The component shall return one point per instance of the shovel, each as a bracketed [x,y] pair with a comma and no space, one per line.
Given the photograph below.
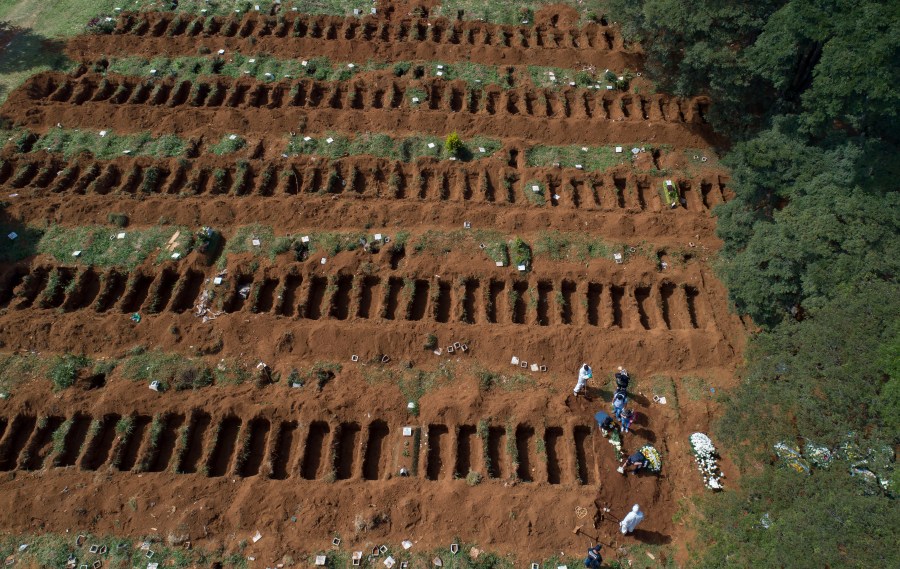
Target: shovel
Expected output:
[577,531]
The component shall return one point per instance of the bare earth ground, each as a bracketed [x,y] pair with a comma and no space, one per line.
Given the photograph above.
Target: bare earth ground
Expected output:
[299,465]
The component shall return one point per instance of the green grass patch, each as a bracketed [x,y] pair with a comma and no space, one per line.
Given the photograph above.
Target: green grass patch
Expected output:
[243,239]
[443,242]
[236,65]
[170,369]
[24,244]
[565,246]
[100,246]
[473,73]
[64,370]
[696,388]
[406,149]
[16,369]
[230,371]
[561,77]
[72,142]
[228,144]
[25,53]
[520,253]
[595,158]
[535,192]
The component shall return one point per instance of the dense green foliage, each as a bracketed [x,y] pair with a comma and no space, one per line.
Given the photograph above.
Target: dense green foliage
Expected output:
[810,93]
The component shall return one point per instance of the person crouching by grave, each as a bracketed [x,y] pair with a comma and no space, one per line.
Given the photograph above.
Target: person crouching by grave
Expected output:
[627,418]
[635,462]
[593,559]
[622,378]
[584,374]
[631,521]
[605,422]
[618,403]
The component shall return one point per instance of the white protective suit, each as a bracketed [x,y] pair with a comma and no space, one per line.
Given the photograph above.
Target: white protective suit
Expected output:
[631,521]
[584,374]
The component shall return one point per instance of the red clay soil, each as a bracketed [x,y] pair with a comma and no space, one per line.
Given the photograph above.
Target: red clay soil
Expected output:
[294,435]
[276,447]
[254,108]
[362,39]
[620,204]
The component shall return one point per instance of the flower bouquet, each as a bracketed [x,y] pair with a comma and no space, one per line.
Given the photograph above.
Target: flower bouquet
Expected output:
[707,460]
[652,456]
[615,439]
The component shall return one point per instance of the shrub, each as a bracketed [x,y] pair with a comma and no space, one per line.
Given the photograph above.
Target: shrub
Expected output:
[453,144]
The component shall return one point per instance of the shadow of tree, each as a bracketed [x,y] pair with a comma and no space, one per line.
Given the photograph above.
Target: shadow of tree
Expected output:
[24,52]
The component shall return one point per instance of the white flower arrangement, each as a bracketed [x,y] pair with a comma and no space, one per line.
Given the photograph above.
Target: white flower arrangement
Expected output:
[615,439]
[652,456]
[707,460]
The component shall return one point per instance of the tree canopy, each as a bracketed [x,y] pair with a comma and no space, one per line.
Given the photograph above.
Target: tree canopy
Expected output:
[809,93]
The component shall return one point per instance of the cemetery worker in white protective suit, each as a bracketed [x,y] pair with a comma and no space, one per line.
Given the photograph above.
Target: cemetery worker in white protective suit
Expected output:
[631,521]
[584,374]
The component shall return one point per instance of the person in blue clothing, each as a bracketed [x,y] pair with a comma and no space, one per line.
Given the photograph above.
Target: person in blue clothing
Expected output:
[593,559]
[618,403]
[635,462]
[605,422]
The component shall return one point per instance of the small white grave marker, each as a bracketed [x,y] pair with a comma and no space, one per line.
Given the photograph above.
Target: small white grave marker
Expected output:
[389,562]
[351,65]
[584,148]
[304,239]
[176,256]
[76,253]
[303,63]
[534,367]
[377,237]
[256,242]
[536,189]
[320,560]
[407,431]
[406,544]
[329,140]
[232,137]
[430,145]
[481,149]
[439,73]
[499,263]
[522,267]
[415,100]
[307,138]
[12,235]
[102,133]
[217,280]
[221,52]
[251,61]
[578,166]
[323,261]
[121,235]
[618,258]
[618,149]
